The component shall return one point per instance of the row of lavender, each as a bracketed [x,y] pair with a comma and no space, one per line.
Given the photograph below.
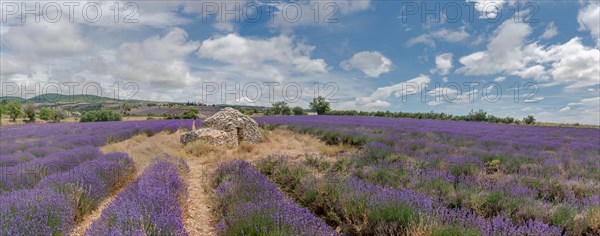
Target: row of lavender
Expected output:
[28,153]
[151,205]
[497,174]
[253,205]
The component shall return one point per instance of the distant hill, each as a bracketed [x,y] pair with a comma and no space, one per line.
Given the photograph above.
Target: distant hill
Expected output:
[54,98]
[10,98]
[62,99]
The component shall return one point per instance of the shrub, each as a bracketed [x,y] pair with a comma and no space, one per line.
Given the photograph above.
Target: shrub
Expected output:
[100,116]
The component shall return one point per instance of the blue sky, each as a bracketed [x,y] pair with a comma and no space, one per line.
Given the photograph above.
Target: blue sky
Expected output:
[366,55]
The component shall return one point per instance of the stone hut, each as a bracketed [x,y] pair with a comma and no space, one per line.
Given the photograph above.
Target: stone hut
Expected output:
[227,127]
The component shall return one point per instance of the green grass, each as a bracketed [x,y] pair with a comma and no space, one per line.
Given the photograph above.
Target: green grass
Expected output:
[447,230]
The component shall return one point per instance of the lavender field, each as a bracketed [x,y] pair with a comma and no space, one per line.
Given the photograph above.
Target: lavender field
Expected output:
[430,177]
[54,174]
[406,177]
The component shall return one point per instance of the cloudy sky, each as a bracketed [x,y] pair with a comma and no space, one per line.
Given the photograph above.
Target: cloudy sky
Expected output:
[508,57]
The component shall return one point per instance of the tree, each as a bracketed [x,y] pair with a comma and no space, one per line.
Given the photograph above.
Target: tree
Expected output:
[46,114]
[530,120]
[30,111]
[320,105]
[58,116]
[14,110]
[298,111]
[479,116]
[52,115]
[281,108]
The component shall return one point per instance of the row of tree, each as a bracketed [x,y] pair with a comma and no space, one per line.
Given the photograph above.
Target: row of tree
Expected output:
[319,105]
[477,116]
[283,109]
[189,114]
[15,110]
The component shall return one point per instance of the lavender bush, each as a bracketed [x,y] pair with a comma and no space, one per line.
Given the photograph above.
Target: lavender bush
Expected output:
[252,205]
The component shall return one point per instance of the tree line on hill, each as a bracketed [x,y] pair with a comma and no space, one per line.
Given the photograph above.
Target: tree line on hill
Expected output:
[14,110]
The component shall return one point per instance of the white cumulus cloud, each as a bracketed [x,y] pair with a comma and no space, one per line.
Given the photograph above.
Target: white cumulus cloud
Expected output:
[443,63]
[372,64]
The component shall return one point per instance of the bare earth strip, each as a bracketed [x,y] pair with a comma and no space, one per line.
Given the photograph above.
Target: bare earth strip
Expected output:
[199,216]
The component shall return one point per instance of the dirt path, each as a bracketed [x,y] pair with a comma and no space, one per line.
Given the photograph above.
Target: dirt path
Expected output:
[90,218]
[199,218]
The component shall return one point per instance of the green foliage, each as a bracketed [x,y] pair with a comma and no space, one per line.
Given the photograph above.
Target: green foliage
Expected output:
[317,163]
[463,169]
[47,114]
[58,116]
[563,216]
[248,112]
[530,120]
[492,204]
[298,111]
[479,116]
[333,137]
[29,111]
[435,187]
[446,230]
[13,109]
[100,116]
[320,105]
[279,108]
[189,114]
[401,214]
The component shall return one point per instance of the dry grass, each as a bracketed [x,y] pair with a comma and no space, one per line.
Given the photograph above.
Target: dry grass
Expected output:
[594,220]
[276,142]
[202,159]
